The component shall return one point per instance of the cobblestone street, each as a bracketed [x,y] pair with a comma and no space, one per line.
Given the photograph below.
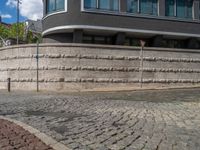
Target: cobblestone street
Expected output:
[140,120]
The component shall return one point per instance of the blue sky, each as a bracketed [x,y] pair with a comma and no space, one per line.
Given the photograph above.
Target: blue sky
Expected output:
[29,9]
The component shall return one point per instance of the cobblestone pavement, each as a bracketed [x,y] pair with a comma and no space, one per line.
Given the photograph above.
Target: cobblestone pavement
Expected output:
[13,137]
[142,120]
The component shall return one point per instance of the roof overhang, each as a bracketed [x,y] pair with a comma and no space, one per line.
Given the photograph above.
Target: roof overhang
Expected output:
[113,30]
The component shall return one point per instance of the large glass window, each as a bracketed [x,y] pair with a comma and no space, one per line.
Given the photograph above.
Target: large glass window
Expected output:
[181,12]
[50,5]
[111,5]
[170,7]
[115,4]
[179,8]
[199,12]
[155,7]
[132,6]
[104,4]
[143,6]
[90,4]
[97,39]
[55,5]
[189,11]
[60,4]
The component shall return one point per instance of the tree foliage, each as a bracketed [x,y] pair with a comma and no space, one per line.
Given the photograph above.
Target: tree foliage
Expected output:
[11,32]
[4,32]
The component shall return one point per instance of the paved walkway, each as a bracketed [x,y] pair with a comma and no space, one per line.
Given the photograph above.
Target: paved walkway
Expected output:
[14,137]
[151,120]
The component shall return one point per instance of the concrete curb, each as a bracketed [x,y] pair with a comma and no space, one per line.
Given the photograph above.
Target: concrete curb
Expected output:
[43,137]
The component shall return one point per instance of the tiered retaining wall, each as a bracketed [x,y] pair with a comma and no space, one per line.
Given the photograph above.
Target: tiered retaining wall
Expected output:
[76,67]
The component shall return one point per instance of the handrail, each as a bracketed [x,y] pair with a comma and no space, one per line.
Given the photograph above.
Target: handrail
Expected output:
[4,43]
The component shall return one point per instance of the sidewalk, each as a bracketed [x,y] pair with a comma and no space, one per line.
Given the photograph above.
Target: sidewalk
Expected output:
[14,137]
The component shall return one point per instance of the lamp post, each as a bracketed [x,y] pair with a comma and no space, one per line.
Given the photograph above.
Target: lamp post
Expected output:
[18,3]
[28,26]
[37,59]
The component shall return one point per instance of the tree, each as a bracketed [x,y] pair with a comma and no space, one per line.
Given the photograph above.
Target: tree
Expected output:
[4,31]
[11,32]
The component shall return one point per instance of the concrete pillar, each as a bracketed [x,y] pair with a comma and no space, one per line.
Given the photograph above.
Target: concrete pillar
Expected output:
[77,36]
[196,10]
[161,7]
[44,8]
[123,6]
[120,38]
[193,43]
[157,41]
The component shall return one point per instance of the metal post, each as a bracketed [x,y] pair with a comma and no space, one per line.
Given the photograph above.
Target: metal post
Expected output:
[17,22]
[141,67]
[9,80]
[37,59]
[141,62]
[17,30]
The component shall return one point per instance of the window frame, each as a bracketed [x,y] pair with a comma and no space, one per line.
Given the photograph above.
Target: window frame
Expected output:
[199,11]
[175,11]
[129,14]
[98,9]
[139,9]
[55,12]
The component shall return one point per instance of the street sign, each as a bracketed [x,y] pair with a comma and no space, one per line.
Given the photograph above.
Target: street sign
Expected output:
[142,43]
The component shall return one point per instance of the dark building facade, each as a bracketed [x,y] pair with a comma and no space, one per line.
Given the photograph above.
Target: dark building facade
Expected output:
[4,24]
[161,23]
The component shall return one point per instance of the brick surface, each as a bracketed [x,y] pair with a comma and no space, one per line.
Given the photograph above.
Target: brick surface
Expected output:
[13,137]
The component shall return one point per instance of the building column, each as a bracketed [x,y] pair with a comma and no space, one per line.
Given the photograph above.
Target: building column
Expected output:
[157,41]
[120,38]
[196,9]
[193,43]
[78,36]
[123,6]
[161,7]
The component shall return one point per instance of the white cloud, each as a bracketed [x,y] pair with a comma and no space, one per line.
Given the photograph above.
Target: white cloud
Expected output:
[32,9]
[6,16]
[11,3]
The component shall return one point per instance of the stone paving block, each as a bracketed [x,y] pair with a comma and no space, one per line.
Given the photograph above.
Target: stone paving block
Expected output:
[161,120]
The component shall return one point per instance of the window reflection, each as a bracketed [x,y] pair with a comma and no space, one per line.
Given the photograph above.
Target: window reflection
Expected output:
[143,6]
[179,8]
[60,4]
[90,3]
[55,5]
[104,4]
[110,5]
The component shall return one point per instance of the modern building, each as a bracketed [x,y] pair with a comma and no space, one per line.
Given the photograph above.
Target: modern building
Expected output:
[161,23]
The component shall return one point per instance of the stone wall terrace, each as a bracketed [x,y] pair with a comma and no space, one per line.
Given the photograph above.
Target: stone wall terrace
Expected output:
[79,67]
